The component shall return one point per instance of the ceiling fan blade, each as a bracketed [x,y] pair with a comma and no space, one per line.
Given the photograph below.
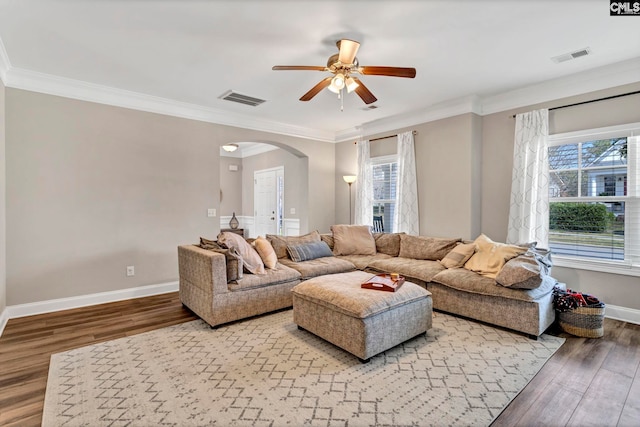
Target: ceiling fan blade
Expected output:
[388,71]
[363,92]
[348,49]
[316,89]
[298,67]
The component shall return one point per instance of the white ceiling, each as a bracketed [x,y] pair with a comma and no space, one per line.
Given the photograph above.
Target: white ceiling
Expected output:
[180,56]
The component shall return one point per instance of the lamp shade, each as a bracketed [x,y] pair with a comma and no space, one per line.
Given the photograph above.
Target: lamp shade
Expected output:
[349,179]
[230,147]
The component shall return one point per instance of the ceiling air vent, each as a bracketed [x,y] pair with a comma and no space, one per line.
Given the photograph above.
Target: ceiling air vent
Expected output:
[572,55]
[242,99]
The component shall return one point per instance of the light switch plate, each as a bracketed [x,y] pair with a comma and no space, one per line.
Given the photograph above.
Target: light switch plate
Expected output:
[211,213]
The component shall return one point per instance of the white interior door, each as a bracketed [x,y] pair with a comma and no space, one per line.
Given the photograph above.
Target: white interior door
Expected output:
[266,197]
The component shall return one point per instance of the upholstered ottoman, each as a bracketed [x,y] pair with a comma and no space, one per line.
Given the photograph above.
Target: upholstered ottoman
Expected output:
[363,322]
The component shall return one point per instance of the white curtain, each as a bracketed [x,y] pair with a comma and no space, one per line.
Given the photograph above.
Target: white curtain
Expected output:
[529,210]
[405,217]
[364,187]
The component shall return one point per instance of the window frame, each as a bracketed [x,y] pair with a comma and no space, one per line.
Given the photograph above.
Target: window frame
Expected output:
[383,160]
[627,267]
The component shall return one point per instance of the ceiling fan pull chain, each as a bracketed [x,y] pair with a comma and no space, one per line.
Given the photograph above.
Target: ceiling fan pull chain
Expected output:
[341,100]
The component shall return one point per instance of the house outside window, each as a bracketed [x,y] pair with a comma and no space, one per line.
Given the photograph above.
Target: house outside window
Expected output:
[385,183]
[594,208]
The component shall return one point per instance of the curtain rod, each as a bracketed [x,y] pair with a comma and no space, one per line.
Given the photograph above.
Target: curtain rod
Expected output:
[414,132]
[592,100]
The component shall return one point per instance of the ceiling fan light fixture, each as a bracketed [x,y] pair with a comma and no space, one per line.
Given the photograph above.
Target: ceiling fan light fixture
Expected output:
[338,81]
[351,84]
[229,148]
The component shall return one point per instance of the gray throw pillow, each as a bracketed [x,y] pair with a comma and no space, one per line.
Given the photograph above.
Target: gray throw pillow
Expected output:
[526,271]
[308,251]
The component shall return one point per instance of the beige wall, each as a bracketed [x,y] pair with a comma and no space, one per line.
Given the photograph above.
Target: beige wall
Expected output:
[230,186]
[93,188]
[498,133]
[448,164]
[3,233]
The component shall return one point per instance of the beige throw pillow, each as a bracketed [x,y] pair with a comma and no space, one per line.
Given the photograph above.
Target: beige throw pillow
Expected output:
[490,256]
[459,255]
[266,252]
[353,240]
[423,247]
[250,258]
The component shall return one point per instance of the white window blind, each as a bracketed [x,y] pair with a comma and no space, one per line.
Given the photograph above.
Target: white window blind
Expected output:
[385,180]
[594,195]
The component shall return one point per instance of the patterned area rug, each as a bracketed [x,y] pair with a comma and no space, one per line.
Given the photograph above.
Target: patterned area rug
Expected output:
[266,372]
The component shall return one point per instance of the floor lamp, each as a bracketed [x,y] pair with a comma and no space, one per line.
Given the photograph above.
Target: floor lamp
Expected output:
[349,179]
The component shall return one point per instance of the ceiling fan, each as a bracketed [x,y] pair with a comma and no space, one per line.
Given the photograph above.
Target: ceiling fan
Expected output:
[342,65]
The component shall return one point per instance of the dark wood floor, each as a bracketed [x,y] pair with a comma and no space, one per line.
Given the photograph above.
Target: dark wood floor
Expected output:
[588,382]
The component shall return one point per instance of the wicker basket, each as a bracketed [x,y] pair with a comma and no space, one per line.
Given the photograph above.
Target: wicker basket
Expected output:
[584,321]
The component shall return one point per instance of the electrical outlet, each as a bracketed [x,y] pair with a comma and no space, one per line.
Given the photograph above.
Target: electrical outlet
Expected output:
[131,270]
[211,213]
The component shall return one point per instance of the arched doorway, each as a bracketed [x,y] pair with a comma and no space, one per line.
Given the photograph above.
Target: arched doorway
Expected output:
[284,169]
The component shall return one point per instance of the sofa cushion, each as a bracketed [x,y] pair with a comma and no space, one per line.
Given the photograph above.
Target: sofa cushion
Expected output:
[423,270]
[525,271]
[353,240]
[362,261]
[459,255]
[468,281]
[279,274]
[266,252]
[308,251]
[250,258]
[319,266]
[388,243]
[280,243]
[490,256]
[423,247]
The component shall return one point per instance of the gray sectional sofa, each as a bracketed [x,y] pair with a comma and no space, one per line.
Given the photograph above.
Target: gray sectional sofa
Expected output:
[215,287]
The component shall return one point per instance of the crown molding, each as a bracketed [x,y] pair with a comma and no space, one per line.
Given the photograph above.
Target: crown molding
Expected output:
[455,107]
[605,77]
[75,89]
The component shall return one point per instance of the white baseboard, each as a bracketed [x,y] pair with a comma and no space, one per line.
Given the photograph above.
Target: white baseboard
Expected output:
[623,314]
[40,307]
[4,318]
[615,312]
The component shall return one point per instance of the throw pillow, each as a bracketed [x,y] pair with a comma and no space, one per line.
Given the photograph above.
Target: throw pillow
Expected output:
[308,251]
[328,239]
[423,247]
[266,252]
[490,256]
[353,240]
[250,258]
[209,244]
[233,261]
[526,271]
[459,255]
[388,243]
[280,243]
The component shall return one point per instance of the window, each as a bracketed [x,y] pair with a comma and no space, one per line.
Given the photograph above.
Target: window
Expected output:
[385,180]
[594,208]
